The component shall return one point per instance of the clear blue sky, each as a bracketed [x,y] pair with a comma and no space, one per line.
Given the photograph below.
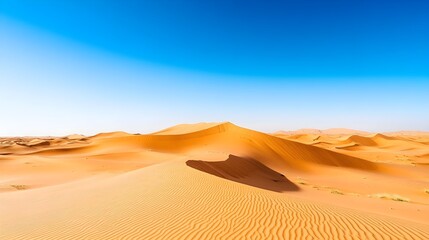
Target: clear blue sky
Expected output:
[139,66]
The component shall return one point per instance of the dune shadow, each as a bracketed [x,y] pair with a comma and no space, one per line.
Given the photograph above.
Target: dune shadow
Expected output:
[246,171]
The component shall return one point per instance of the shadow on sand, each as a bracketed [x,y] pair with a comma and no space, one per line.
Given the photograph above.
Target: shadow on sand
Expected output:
[246,171]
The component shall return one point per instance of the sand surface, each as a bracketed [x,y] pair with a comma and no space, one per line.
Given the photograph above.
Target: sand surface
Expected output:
[216,181]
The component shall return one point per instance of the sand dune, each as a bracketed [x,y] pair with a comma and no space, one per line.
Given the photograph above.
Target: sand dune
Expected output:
[214,181]
[403,148]
[228,138]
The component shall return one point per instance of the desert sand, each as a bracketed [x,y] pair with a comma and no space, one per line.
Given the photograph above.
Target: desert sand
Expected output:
[216,181]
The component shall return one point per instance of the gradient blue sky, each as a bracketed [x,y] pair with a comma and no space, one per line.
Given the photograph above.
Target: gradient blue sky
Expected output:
[139,66]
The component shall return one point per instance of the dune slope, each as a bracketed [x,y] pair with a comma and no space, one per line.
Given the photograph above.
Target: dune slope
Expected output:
[173,201]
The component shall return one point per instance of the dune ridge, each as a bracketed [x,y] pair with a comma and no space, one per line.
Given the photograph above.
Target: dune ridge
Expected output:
[273,151]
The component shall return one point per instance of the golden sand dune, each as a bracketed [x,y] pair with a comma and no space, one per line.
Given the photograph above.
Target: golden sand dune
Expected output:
[212,181]
[229,138]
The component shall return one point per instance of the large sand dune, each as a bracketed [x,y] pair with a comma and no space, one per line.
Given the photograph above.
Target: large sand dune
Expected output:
[215,181]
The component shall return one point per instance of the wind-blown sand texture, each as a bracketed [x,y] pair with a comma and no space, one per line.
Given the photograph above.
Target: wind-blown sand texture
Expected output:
[216,181]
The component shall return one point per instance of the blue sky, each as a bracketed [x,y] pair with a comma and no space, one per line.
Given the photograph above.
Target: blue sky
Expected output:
[139,66]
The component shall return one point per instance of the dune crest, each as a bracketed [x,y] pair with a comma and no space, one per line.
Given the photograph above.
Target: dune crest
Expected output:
[188,128]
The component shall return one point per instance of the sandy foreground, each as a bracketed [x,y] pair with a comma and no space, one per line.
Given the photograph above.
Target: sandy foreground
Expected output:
[216,181]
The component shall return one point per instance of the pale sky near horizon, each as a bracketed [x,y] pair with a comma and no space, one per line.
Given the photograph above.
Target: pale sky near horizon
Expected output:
[60,75]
